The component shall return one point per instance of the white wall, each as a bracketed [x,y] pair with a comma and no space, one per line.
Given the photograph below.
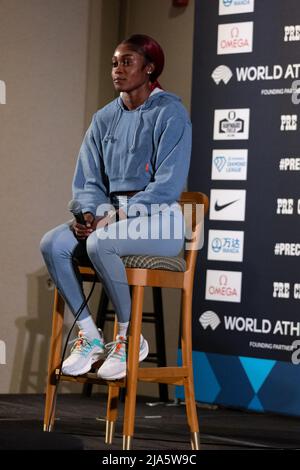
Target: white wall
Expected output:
[43,50]
[173,28]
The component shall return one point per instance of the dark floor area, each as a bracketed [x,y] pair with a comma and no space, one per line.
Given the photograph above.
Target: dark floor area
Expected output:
[158,427]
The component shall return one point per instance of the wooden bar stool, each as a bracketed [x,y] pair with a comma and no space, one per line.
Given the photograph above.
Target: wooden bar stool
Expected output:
[171,272]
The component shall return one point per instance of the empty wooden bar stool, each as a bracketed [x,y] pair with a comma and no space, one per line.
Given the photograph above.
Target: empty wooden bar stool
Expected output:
[171,272]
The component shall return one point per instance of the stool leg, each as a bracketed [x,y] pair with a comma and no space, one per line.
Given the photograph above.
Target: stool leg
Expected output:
[100,321]
[132,365]
[186,345]
[112,412]
[160,339]
[112,403]
[54,359]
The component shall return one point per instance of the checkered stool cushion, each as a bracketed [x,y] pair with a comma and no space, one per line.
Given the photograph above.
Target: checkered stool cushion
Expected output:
[167,263]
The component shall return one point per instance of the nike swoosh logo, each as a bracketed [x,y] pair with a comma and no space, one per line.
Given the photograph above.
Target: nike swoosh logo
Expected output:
[219,208]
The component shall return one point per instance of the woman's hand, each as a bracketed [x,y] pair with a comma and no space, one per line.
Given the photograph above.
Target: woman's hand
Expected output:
[83,231]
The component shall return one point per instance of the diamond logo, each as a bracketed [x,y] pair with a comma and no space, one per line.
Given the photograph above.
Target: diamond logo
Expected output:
[220,162]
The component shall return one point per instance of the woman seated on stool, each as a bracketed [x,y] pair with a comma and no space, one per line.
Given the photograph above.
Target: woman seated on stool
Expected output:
[135,154]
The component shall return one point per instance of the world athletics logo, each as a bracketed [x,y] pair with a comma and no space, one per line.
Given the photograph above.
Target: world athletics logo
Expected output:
[222,74]
[209,318]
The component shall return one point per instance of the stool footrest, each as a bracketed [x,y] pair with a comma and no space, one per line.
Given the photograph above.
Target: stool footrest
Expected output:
[90,377]
[169,375]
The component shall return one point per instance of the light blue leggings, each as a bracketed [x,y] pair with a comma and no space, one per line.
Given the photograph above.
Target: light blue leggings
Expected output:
[61,249]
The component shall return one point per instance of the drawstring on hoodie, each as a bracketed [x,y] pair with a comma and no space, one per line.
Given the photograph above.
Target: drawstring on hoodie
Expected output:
[137,124]
[115,121]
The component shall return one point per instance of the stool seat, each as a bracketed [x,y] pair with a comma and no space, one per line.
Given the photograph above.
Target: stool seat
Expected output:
[167,263]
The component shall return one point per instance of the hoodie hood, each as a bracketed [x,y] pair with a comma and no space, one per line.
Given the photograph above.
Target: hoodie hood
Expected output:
[156,94]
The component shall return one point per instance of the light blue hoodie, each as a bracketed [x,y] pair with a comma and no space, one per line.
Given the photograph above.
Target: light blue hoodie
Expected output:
[146,149]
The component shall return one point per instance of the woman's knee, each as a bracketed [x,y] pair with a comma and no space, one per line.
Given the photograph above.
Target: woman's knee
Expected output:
[91,246]
[46,243]
[52,242]
[95,246]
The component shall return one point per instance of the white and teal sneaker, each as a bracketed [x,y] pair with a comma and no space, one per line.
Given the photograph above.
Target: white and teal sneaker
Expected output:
[84,353]
[114,367]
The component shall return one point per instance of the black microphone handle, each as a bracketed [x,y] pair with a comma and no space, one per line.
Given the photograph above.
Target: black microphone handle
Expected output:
[79,218]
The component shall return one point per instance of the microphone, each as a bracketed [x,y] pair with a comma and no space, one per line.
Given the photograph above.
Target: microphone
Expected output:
[74,206]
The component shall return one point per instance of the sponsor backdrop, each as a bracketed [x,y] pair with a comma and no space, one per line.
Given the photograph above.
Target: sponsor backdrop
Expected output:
[246,157]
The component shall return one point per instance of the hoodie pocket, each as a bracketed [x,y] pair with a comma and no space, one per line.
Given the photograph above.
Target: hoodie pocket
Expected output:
[136,165]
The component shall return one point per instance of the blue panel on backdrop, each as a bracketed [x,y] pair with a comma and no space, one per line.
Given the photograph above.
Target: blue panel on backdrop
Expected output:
[255,404]
[205,381]
[246,158]
[257,370]
[281,391]
[221,379]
